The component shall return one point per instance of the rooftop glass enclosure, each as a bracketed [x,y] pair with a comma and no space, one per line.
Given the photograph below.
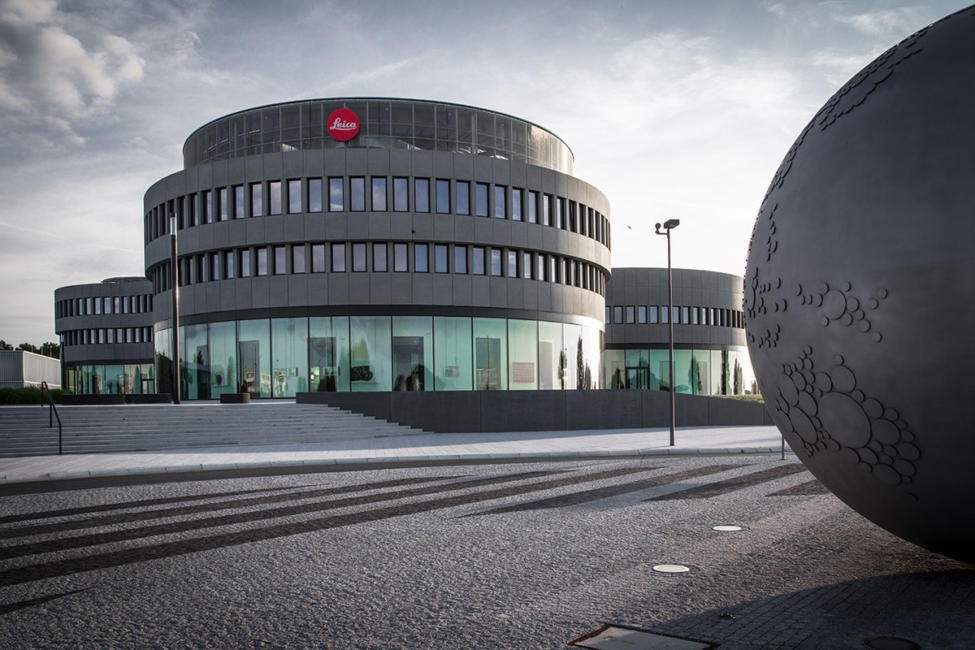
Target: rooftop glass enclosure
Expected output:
[385,124]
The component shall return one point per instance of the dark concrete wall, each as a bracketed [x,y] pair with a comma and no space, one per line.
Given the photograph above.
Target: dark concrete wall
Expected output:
[543,410]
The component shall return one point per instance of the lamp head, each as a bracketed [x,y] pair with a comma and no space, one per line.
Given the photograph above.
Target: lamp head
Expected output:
[671,223]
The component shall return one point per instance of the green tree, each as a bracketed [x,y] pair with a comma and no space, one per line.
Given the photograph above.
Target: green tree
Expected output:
[51,349]
[27,347]
[5,346]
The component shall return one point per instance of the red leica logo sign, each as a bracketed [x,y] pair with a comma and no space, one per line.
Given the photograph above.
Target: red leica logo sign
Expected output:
[342,124]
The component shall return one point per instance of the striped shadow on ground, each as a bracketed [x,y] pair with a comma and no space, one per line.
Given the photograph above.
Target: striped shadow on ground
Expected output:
[809,488]
[733,484]
[55,568]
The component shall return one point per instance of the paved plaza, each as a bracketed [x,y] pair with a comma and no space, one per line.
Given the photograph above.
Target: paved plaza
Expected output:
[464,554]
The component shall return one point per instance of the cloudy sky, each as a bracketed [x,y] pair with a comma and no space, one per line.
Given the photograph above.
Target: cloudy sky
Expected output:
[673,109]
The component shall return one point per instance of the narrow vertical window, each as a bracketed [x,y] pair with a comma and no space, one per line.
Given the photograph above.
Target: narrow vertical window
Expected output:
[401,195]
[358,257]
[357,194]
[546,209]
[460,259]
[224,204]
[526,265]
[421,195]
[641,313]
[540,267]
[245,263]
[379,260]
[280,260]
[532,206]
[481,199]
[262,261]
[314,195]
[298,258]
[421,258]
[294,196]
[274,197]
[560,213]
[239,206]
[400,258]
[500,207]
[208,206]
[515,204]
[477,260]
[495,261]
[228,265]
[336,200]
[257,199]
[379,194]
[318,258]
[338,258]
[443,196]
[512,264]
[463,197]
[215,265]
[440,258]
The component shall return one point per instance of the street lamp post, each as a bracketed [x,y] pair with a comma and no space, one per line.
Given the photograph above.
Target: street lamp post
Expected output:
[669,225]
[175,281]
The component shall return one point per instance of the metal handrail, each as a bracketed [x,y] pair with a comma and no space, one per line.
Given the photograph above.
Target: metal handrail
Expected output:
[51,413]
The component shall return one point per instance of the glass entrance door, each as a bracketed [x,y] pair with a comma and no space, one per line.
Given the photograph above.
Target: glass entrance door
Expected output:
[408,370]
[324,371]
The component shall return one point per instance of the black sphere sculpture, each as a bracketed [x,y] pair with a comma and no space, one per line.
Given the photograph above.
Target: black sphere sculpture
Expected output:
[860,290]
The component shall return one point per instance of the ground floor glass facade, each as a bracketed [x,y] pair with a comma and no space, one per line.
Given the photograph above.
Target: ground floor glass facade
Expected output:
[699,372]
[280,357]
[110,379]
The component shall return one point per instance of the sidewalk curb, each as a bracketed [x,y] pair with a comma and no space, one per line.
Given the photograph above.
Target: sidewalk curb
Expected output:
[392,460]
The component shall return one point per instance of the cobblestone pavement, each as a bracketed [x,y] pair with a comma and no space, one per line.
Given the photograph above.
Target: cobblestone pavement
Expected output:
[507,555]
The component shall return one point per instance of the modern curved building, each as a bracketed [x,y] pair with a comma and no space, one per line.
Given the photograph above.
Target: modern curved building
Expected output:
[710,356]
[105,331]
[373,244]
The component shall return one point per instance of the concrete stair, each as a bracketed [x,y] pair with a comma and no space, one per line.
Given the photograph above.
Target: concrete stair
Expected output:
[24,430]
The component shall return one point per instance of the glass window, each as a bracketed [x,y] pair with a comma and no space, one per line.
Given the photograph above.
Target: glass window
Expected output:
[443,196]
[421,258]
[314,195]
[328,353]
[683,373]
[254,357]
[338,257]
[421,195]
[477,260]
[207,206]
[495,261]
[204,267]
[526,265]
[541,267]
[294,196]
[546,209]
[379,194]
[532,206]
[463,197]
[412,353]
[481,199]
[694,320]
[215,265]
[400,257]
[274,197]
[684,315]
[551,360]
[370,362]
[440,258]
[379,259]
[401,196]
[245,263]
[460,258]
[523,354]
[512,264]
[289,347]
[223,358]
[257,199]
[614,369]
[490,354]
[452,351]
[654,314]
[195,362]
[336,201]
[516,204]
[318,258]
[617,314]
[224,204]
[298,258]
[357,194]
[228,265]
[664,314]
[630,314]
[280,260]
[560,221]
[239,209]
[676,315]
[359,257]
[108,304]
[641,314]
[500,210]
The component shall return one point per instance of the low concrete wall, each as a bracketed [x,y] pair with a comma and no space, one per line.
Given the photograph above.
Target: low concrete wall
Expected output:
[542,410]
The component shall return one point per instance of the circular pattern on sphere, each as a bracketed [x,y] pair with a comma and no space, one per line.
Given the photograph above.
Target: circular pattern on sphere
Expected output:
[857,287]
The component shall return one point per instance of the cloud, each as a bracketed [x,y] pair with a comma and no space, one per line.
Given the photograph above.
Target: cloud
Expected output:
[892,23]
[59,71]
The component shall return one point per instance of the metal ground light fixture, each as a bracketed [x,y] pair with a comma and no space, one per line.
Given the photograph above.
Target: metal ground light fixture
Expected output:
[173,221]
[669,225]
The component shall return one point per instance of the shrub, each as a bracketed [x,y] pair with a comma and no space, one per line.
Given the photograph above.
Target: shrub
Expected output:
[27,395]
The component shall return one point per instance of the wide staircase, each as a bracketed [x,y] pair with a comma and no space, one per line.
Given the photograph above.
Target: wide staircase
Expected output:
[24,430]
